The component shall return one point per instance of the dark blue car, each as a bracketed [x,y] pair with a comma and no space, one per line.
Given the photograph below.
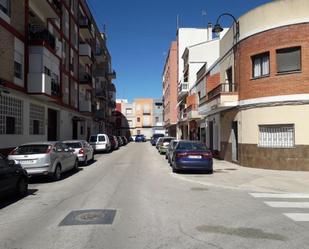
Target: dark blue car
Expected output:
[192,155]
[140,138]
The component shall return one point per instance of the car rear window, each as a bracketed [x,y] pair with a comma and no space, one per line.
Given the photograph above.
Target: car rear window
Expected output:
[93,139]
[32,149]
[191,146]
[101,139]
[74,145]
[167,140]
[158,135]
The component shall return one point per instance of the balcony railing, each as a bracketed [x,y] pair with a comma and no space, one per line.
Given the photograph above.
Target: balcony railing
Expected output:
[183,87]
[222,88]
[42,36]
[84,22]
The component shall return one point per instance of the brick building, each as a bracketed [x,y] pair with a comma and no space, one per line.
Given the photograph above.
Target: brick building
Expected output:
[55,72]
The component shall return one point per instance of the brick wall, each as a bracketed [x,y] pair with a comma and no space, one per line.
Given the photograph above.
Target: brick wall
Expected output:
[269,41]
[6,55]
[212,81]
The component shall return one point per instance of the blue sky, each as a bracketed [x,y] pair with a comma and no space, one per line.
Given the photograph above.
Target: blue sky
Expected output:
[140,31]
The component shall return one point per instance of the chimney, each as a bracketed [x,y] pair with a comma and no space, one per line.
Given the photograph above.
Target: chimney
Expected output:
[209,31]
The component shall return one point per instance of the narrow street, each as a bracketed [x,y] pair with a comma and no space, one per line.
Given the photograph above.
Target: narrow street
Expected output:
[150,208]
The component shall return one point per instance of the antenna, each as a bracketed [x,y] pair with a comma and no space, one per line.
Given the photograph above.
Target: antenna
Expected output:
[177,21]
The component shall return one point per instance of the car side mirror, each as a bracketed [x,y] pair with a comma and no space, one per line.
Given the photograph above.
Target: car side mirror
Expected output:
[11,162]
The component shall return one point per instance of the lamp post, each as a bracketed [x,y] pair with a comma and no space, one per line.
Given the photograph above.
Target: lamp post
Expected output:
[218,28]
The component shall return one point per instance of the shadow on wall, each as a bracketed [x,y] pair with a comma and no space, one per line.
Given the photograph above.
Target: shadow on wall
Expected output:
[122,126]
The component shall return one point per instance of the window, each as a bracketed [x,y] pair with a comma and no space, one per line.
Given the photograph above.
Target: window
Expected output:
[36,117]
[18,72]
[138,119]
[10,125]
[276,136]
[11,115]
[5,7]
[129,111]
[157,120]
[288,60]
[47,71]
[82,130]
[260,65]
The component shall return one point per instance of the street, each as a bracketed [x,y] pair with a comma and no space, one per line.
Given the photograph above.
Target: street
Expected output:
[148,206]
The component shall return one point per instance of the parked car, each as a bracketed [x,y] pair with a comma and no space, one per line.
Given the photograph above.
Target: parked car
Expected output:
[170,150]
[192,155]
[100,142]
[82,150]
[114,142]
[140,138]
[45,158]
[125,140]
[120,141]
[13,178]
[158,142]
[164,143]
[154,138]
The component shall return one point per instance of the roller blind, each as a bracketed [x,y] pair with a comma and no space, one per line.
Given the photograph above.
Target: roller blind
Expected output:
[288,59]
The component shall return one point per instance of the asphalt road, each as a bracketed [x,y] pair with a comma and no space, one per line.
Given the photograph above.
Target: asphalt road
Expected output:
[145,205]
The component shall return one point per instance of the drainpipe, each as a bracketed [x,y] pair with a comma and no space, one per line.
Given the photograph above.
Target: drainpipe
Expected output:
[209,31]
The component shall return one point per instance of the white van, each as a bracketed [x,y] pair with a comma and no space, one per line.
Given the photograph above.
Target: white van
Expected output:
[100,142]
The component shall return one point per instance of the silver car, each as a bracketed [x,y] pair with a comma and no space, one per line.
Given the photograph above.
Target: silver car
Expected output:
[82,150]
[45,158]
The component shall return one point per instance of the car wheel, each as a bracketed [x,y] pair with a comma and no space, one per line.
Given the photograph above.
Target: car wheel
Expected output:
[22,187]
[85,163]
[57,174]
[75,168]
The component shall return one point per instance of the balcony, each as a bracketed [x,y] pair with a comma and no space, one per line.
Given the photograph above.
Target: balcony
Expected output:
[85,27]
[222,97]
[85,53]
[45,88]
[85,79]
[112,104]
[182,116]
[111,75]
[100,94]
[47,8]
[42,37]
[192,112]
[183,88]
[99,55]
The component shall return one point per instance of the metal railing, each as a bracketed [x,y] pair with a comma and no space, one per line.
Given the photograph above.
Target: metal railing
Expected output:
[42,35]
[222,88]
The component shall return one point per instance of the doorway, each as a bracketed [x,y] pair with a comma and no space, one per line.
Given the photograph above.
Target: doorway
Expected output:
[211,135]
[234,141]
[74,129]
[52,125]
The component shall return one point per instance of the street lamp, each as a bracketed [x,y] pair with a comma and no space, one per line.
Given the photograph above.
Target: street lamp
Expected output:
[218,28]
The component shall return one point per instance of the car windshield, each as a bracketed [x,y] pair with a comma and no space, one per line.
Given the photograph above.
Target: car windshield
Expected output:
[167,140]
[32,149]
[93,139]
[74,145]
[191,146]
[158,135]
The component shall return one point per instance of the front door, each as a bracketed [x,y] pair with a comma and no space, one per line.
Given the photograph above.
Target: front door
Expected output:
[74,129]
[234,134]
[211,135]
[52,125]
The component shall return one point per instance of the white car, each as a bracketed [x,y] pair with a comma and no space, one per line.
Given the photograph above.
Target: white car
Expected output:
[82,150]
[45,158]
[100,142]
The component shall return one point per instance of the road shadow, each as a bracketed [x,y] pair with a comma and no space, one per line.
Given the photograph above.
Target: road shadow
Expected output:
[10,198]
[46,179]
[89,164]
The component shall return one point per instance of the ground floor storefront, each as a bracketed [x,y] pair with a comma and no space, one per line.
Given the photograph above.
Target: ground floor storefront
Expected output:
[272,137]
[25,118]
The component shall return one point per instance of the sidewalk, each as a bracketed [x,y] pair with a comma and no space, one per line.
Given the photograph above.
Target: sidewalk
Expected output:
[233,176]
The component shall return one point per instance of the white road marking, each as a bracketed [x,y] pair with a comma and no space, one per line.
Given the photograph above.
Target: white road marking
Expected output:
[286,204]
[283,196]
[298,216]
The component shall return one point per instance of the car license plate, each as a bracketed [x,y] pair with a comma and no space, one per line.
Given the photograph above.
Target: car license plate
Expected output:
[195,157]
[26,161]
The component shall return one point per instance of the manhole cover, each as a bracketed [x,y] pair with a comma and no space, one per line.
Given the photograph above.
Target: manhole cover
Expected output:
[89,217]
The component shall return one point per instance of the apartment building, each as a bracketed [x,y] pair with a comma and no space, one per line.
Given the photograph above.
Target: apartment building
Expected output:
[170,93]
[142,116]
[197,48]
[50,53]
[256,99]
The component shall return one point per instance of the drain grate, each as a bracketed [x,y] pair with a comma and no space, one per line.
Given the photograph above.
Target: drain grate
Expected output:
[89,217]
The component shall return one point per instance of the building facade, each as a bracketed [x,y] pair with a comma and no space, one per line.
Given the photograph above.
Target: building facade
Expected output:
[256,102]
[49,89]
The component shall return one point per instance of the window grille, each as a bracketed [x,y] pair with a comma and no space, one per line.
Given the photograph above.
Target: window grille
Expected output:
[37,115]
[276,136]
[12,108]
